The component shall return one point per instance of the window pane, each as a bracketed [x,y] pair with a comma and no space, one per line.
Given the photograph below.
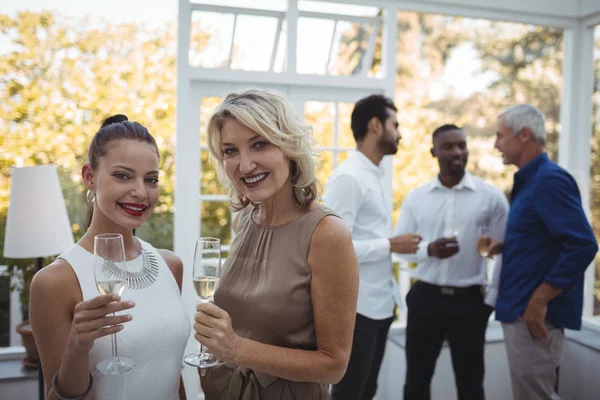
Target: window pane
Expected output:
[350,43]
[314,39]
[253,43]
[210,39]
[342,155]
[324,167]
[466,72]
[320,116]
[215,220]
[207,105]
[345,136]
[209,182]
[595,160]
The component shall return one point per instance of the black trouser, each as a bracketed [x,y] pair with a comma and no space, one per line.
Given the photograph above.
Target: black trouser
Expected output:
[458,315]
[368,346]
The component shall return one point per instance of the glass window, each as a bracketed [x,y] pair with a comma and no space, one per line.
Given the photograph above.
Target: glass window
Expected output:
[237,41]
[324,167]
[215,220]
[349,47]
[345,138]
[336,47]
[209,181]
[464,71]
[314,37]
[211,35]
[253,42]
[321,117]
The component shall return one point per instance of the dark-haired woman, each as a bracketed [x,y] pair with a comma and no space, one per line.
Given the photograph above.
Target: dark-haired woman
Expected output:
[72,323]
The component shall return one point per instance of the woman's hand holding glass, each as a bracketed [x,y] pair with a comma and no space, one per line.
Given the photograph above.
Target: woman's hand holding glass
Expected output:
[91,320]
[214,329]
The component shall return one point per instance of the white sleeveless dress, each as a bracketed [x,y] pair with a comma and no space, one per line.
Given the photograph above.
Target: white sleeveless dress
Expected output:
[154,339]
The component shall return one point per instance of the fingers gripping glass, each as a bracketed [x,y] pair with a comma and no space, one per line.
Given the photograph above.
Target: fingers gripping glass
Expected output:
[206,274]
[110,251]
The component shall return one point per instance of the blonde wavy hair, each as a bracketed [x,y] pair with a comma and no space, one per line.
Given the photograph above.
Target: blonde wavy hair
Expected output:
[271,116]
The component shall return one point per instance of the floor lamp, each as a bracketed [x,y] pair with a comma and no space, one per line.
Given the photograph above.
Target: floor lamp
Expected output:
[37,224]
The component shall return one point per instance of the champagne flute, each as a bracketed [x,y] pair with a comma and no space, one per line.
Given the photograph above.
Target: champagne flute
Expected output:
[484,240]
[206,274]
[110,272]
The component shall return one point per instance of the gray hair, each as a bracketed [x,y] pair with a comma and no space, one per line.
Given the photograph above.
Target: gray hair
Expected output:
[526,116]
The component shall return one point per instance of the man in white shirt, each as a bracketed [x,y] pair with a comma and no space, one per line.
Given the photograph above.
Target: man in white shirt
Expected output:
[447,301]
[355,193]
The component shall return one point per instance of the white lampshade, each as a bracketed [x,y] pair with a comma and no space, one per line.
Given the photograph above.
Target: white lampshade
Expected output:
[37,222]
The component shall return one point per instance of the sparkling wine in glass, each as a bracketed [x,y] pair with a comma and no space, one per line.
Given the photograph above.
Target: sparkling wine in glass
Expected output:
[484,240]
[206,274]
[110,273]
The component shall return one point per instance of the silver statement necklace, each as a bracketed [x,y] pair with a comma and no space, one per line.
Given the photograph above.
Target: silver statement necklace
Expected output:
[135,280]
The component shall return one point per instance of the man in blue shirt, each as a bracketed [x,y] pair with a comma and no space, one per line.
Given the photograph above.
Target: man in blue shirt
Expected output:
[548,246]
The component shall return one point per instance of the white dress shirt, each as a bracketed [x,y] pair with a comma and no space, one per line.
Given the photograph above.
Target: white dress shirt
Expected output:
[434,211]
[355,193]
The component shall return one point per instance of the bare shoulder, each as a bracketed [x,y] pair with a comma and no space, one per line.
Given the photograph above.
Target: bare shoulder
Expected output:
[174,263]
[329,230]
[57,277]
[173,260]
[330,239]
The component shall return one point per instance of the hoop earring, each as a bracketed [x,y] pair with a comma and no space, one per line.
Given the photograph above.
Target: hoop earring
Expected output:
[90,196]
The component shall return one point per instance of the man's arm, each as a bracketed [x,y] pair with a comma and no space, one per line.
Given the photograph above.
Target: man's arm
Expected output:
[559,207]
[407,224]
[558,204]
[344,197]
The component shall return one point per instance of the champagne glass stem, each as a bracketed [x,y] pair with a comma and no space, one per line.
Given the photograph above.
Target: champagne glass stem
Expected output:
[115,352]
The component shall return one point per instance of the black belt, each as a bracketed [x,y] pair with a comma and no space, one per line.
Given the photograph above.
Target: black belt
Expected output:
[452,290]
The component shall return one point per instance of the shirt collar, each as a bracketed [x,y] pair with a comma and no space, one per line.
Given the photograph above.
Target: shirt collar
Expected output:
[467,182]
[366,163]
[529,169]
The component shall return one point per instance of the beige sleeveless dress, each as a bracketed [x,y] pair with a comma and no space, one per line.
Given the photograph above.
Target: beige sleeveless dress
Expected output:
[266,289]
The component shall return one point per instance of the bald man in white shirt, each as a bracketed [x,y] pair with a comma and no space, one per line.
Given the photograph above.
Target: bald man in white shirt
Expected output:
[355,193]
[447,301]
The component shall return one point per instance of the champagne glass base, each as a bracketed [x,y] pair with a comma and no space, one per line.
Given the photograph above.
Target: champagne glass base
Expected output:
[201,360]
[115,366]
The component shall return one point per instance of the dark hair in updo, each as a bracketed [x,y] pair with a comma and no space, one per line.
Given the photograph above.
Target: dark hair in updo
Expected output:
[114,128]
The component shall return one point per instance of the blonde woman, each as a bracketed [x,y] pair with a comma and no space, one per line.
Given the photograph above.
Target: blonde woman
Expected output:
[284,312]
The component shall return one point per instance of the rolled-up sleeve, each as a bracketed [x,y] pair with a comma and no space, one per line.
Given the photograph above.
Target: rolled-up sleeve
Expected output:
[407,223]
[558,204]
[344,196]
